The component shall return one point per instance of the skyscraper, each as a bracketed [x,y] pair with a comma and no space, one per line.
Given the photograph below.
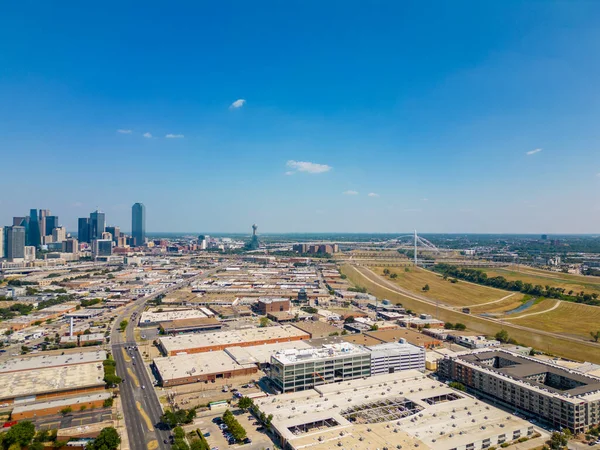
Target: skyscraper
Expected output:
[2,242]
[115,232]
[15,243]
[83,229]
[18,221]
[51,222]
[138,223]
[34,237]
[97,224]
[42,215]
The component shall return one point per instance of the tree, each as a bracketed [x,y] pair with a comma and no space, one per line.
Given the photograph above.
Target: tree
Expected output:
[386,272]
[394,275]
[245,403]
[108,439]
[36,446]
[123,324]
[22,433]
[595,335]
[426,288]
[458,386]
[374,327]
[449,326]
[66,410]
[502,336]
[460,326]
[108,402]
[558,440]
[349,319]
[264,321]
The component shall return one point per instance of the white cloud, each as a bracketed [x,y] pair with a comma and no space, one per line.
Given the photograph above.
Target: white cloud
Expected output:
[350,193]
[425,199]
[174,136]
[290,172]
[237,104]
[308,167]
[373,194]
[598,174]
[124,131]
[533,152]
[147,135]
[77,204]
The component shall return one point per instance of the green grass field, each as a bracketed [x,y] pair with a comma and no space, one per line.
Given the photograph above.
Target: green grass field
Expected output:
[454,294]
[570,319]
[576,283]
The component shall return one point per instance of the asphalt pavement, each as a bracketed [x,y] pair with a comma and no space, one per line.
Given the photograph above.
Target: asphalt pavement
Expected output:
[135,422]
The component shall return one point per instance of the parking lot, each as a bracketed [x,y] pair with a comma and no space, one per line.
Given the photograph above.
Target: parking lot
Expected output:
[260,440]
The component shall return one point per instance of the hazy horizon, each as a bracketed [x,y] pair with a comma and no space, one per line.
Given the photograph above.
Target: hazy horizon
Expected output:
[479,117]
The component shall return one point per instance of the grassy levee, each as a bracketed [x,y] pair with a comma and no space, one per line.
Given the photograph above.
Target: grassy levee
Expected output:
[576,283]
[565,347]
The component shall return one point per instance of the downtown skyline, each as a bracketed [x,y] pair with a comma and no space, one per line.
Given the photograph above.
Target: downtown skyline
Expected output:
[472,119]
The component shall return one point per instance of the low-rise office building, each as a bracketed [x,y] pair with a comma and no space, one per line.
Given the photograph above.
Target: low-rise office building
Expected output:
[559,396]
[266,305]
[297,370]
[396,356]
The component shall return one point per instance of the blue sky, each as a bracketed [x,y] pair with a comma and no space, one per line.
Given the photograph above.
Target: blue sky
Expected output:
[433,108]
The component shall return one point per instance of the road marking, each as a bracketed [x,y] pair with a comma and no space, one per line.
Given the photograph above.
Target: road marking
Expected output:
[125,355]
[153,445]
[133,377]
[145,416]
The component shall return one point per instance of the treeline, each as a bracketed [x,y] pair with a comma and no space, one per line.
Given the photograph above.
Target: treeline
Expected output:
[480,277]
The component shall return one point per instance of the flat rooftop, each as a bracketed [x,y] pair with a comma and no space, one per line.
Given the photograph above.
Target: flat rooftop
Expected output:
[165,316]
[292,356]
[197,364]
[531,371]
[42,362]
[316,328]
[62,402]
[52,379]
[230,338]
[261,354]
[425,412]
[199,322]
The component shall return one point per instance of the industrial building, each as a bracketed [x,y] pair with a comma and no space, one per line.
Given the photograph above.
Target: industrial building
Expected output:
[183,369]
[400,410]
[54,407]
[219,340]
[195,325]
[151,318]
[43,362]
[562,397]
[297,370]
[395,356]
[51,382]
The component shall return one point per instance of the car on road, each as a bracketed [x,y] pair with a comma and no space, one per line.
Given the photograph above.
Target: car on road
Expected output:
[207,434]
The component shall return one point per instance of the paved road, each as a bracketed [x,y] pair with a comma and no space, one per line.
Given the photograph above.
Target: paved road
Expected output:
[133,397]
